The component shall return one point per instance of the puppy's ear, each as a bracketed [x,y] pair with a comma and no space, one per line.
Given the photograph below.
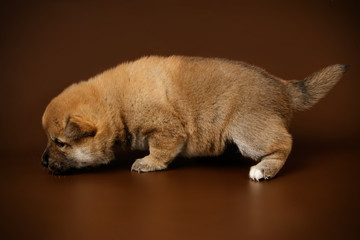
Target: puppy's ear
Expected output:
[77,127]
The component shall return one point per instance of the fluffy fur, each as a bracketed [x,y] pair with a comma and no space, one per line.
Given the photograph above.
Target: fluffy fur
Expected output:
[179,105]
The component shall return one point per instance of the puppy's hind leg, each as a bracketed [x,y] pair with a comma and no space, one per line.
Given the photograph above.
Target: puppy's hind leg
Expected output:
[269,146]
[269,165]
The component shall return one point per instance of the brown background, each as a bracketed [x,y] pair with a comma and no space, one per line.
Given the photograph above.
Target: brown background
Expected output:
[47,45]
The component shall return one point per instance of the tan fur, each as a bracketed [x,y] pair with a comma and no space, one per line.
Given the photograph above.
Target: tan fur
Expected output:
[179,105]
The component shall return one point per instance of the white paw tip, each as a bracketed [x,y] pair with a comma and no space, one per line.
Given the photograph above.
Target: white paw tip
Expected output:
[256,174]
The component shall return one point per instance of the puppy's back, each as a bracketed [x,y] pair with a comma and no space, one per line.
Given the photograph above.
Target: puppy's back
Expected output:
[210,94]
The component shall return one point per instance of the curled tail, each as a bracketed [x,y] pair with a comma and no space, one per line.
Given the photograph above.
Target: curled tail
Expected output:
[307,92]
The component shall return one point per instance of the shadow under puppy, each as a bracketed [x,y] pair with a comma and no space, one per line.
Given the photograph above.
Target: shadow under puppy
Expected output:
[179,105]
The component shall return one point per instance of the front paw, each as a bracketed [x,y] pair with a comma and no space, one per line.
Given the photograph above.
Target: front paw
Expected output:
[146,165]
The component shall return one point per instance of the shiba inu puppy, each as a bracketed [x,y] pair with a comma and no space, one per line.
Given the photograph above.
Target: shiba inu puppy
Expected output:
[179,105]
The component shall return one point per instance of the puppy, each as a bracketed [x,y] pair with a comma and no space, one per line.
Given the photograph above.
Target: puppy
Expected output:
[179,105]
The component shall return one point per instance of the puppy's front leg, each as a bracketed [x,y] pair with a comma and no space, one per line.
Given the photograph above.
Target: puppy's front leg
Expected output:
[163,149]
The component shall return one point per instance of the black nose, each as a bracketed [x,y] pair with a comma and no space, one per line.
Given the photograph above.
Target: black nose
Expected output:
[45,158]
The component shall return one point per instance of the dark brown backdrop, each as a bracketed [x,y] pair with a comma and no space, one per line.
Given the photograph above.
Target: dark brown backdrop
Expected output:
[47,45]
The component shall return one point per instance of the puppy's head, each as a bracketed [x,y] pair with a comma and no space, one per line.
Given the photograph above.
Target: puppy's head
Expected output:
[78,132]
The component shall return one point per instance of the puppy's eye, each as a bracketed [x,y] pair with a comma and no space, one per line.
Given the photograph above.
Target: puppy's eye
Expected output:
[59,143]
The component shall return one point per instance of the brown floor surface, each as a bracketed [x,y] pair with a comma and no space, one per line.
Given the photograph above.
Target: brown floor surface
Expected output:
[316,196]
[47,45]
